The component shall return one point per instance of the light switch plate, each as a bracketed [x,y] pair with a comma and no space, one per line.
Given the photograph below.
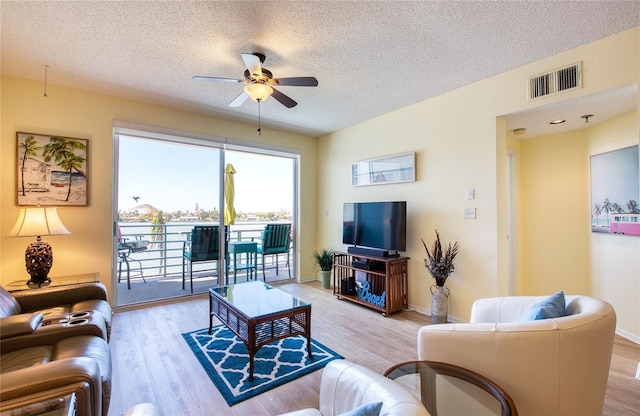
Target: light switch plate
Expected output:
[471,193]
[469,213]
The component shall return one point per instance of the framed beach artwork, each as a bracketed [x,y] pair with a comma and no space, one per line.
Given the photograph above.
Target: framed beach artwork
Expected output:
[615,192]
[51,170]
[384,170]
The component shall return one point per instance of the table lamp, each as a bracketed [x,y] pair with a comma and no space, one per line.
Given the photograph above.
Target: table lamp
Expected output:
[38,221]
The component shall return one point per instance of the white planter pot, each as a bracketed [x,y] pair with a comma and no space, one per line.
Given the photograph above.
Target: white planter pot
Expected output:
[439,304]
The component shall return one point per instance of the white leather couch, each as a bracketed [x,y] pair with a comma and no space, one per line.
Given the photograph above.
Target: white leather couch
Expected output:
[346,386]
[556,366]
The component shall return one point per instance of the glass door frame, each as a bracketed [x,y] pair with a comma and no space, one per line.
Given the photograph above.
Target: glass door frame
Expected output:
[136,130]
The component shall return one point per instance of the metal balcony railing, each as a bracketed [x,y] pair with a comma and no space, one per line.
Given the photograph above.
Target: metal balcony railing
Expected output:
[160,263]
[163,255]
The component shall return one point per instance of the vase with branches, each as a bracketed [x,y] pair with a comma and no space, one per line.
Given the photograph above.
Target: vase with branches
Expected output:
[439,264]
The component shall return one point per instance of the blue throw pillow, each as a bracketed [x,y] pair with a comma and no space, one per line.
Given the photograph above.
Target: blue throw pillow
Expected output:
[369,409]
[551,307]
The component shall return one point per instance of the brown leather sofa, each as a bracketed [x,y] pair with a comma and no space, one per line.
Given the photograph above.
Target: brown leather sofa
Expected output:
[80,309]
[38,371]
[53,342]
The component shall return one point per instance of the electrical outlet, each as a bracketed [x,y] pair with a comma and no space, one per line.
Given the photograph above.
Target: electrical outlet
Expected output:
[469,213]
[638,372]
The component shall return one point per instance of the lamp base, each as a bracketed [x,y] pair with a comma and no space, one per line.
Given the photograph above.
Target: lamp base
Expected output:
[38,259]
[38,282]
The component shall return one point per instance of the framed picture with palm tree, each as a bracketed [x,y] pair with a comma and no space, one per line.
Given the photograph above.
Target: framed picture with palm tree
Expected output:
[615,192]
[51,170]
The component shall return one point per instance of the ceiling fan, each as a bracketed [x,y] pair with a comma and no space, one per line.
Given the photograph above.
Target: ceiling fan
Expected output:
[260,82]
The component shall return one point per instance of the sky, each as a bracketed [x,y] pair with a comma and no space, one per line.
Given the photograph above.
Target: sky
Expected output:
[614,175]
[174,177]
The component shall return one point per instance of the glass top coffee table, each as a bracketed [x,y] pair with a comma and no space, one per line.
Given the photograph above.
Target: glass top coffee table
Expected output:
[446,389]
[259,314]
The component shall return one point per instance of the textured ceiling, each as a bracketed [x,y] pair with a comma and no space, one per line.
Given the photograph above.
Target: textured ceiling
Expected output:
[370,57]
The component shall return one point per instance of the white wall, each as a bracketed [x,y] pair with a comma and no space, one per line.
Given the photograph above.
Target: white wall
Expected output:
[461,143]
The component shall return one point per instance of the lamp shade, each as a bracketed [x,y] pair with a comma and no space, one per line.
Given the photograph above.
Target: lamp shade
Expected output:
[258,92]
[38,221]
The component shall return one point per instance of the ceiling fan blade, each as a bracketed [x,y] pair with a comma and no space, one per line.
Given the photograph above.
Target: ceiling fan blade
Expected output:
[239,100]
[198,78]
[253,64]
[283,99]
[296,81]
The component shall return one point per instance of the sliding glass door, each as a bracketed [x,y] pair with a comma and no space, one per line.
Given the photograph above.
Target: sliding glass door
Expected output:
[166,189]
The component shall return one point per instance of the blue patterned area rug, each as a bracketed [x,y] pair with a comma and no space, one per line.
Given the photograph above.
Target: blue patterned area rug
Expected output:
[225,359]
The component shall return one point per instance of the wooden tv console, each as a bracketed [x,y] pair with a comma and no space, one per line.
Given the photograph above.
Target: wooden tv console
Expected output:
[382,281]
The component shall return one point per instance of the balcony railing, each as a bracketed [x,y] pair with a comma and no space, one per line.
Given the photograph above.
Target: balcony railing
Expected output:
[162,258]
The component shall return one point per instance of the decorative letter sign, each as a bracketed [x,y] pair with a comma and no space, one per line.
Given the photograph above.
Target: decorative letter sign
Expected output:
[363,293]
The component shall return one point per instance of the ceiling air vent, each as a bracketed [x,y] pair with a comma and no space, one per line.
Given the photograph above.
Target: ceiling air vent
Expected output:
[562,79]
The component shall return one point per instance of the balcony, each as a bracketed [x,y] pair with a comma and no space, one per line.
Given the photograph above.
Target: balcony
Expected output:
[156,272]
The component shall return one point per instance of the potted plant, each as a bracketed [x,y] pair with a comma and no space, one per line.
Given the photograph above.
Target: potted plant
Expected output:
[324,260]
[439,263]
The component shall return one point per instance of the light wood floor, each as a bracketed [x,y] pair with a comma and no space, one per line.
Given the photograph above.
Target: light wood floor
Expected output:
[152,363]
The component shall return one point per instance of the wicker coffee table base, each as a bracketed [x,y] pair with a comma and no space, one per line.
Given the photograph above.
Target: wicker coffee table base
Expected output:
[260,330]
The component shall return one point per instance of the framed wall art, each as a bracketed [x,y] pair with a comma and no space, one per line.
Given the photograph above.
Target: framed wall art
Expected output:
[615,192]
[51,170]
[384,170]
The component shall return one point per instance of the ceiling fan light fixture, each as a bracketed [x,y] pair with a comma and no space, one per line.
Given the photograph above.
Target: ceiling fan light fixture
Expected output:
[257,91]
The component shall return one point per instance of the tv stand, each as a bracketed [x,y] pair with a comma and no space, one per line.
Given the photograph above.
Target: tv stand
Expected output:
[382,280]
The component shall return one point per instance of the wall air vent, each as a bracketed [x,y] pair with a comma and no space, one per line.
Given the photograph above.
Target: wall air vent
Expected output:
[562,79]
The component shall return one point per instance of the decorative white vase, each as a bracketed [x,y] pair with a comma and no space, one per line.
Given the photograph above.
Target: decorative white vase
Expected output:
[439,304]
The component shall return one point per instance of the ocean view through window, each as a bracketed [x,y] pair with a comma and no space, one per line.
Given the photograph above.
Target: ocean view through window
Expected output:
[166,188]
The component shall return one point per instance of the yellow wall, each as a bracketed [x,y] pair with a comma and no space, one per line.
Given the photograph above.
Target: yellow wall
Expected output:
[74,113]
[460,142]
[558,250]
[554,208]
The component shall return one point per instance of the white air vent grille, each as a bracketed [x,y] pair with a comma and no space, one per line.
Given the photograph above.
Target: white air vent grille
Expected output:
[562,79]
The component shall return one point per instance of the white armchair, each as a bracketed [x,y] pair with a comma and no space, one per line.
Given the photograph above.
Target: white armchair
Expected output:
[549,367]
[346,386]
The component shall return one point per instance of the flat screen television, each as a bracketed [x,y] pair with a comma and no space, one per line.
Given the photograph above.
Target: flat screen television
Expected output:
[380,225]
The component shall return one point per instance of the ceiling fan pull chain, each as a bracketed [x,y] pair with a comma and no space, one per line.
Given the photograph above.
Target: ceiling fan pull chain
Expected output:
[259,128]
[46,67]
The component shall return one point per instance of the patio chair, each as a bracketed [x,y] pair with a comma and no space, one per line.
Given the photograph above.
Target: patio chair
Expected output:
[127,247]
[275,240]
[202,245]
